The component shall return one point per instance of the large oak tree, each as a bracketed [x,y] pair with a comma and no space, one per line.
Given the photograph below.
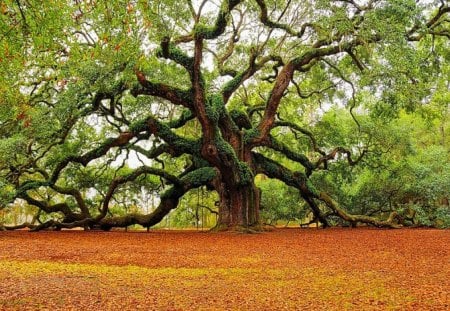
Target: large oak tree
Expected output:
[199,93]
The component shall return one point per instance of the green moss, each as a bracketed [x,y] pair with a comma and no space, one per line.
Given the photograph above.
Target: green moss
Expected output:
[102,149]
[164,131]
[214,107]
[275,170]
[191,146]
[250,134]
[183,144]
[241,119]
[208,32]
[202,31]
[199,177]
[245,174]
[199,161]
[173,192]
[185,95]
[236,114]
[178,56]
[271,168]
[225,149]
[30,185]
[138,126]
[233,84]
[297,157]
[185,116]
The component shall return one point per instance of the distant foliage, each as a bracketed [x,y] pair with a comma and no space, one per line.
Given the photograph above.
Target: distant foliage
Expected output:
[281,203]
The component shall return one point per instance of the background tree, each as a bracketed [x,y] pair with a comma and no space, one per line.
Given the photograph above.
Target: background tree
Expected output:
[202,94]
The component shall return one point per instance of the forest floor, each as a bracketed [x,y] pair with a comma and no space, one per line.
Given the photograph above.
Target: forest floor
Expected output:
[290,269]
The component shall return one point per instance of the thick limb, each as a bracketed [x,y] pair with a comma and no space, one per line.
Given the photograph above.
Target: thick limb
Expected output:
[388,223]
[297,180]
[169,201]
[310,194]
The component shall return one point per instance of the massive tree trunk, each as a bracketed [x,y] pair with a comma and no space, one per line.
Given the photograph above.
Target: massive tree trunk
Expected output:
[238,207]
[239,198]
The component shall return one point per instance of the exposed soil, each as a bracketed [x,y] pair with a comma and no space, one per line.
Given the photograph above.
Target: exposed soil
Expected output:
[291,269]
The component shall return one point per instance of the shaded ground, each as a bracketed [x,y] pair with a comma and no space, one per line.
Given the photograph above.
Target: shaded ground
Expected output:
[335,269]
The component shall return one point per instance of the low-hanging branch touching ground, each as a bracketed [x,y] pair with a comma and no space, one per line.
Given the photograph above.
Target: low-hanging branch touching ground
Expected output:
[200,96]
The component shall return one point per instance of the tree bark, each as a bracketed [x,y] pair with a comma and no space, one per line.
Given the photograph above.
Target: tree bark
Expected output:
[238,207]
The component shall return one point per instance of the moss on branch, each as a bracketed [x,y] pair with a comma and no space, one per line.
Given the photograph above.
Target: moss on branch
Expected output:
[186,116]
[222,19]
[300,181]
[241,119]
[174,95]
[233,84]
[215,108]
[199,177]
[174,53]
[164,131]
[250,135]
[294,156]
[245,174]
[169,200]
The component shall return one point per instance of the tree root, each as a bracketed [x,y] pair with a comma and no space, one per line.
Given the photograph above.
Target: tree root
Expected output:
[258,228]
[25,225]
